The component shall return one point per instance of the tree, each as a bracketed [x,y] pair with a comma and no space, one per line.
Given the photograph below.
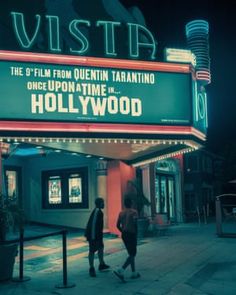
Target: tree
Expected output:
[135,192]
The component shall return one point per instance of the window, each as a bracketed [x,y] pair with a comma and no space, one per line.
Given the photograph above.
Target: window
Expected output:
[190,202]
[65,189]
[12,183]
[209,165]
[192,163]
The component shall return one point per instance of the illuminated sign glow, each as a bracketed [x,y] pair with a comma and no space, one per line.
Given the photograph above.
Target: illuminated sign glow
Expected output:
[48,92]
[180,55]
[200,107]
[138,36]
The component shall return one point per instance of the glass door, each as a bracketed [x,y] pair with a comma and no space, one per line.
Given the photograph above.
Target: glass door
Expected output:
[171,194]
[165,195]
[157,195]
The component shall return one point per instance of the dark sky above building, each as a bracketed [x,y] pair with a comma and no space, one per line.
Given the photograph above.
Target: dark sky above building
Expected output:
[167,20]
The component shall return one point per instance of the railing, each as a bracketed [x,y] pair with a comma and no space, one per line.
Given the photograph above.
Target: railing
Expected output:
[200,214]
[23,239]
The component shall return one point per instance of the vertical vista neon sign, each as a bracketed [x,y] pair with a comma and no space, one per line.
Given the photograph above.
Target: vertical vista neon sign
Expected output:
[138,35]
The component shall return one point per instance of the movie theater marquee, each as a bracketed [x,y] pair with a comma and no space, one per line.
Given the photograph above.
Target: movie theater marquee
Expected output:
[90,91]
[78,93]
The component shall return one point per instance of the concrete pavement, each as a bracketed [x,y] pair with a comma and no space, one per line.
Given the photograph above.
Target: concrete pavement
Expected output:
[190,259]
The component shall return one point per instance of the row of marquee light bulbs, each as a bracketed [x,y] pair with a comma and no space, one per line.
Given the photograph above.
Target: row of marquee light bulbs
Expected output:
[5,144]
[36,140]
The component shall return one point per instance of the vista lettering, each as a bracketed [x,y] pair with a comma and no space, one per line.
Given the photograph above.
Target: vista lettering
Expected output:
[138,36]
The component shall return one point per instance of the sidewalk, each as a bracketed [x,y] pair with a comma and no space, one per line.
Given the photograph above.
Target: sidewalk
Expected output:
[190,259]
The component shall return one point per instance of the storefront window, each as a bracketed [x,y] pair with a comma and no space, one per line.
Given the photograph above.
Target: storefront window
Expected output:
[65,189]
[11,184]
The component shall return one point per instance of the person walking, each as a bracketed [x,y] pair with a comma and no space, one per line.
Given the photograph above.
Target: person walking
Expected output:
[127,225]
[94,236]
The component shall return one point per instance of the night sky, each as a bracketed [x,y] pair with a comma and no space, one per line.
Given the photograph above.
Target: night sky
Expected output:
[167,19]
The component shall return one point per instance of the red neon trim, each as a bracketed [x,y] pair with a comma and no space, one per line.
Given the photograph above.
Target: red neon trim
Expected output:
[94,61]
[98,128]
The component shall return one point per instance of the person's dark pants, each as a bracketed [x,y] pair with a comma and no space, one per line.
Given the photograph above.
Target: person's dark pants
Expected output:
[130,242]
[95,245]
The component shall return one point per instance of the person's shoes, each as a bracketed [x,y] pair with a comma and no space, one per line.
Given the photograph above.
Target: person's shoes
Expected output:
[103,266]
[92,272]
[135,275]
[120,274]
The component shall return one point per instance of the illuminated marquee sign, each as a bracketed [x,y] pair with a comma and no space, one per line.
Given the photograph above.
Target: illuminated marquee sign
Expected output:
[200,107]
[138,36]
[180,55]
[52,92]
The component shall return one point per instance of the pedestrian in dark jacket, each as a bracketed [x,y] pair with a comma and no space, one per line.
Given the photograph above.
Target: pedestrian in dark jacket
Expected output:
[94,236]
[127,225]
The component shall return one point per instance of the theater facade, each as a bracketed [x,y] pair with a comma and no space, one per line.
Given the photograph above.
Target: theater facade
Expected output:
[86,108]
